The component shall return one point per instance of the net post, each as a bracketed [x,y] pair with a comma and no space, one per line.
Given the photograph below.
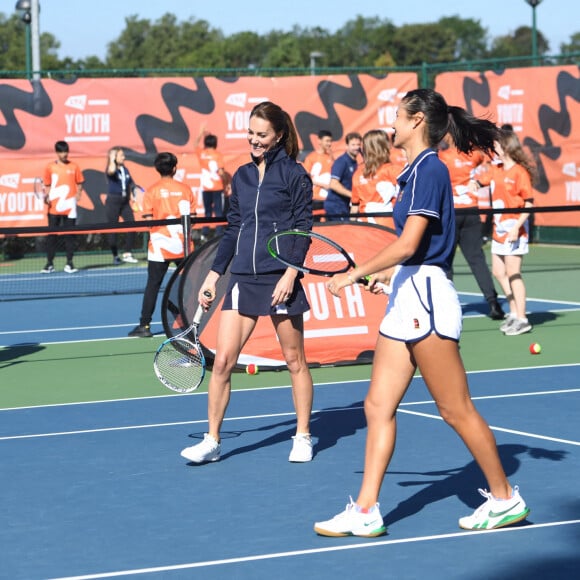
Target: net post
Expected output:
[185,211]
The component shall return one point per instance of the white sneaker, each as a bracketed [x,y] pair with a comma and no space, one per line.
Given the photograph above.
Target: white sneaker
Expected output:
[519,326]
[509,320]
[496,513]
[208,450]
[128,257]
[301,448]
[352,522]
[70,269]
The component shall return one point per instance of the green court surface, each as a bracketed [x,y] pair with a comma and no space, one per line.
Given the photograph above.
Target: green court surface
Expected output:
[118,369]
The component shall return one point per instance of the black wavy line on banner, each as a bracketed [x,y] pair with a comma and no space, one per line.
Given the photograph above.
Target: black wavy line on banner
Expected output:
[479,92]
[331,94]
[36,103]
[176,130]
[558,121]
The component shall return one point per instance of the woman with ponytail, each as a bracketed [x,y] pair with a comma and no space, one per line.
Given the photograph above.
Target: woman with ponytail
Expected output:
[272,192]
[422,324]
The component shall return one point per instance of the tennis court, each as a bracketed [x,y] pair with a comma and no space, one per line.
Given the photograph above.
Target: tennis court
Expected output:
[93,485]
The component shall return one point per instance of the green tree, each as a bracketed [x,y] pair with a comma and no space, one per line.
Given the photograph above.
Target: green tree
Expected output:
[573,45]
[361,42]
[13,46]
[470,37]
[414,44]
[518,44]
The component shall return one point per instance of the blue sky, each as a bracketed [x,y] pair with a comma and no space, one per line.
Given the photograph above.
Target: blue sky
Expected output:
[85,27]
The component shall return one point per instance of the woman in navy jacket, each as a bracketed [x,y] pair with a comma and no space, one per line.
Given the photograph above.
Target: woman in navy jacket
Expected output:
[273,192]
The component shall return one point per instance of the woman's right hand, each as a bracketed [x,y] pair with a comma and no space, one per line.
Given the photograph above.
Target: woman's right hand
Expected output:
[207,292]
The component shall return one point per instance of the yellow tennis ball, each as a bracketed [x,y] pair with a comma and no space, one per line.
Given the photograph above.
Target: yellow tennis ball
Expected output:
[535,348]
[252,369]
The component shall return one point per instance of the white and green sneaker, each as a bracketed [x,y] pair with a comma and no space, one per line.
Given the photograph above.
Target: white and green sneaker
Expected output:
[353,522]
[496,513]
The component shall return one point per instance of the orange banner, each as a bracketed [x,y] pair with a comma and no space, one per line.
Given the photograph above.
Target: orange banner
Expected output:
[149,115]
[337,330]
[543,105]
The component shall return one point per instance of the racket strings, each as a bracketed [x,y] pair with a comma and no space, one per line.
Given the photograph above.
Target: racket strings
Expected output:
[180,365]
[324,257]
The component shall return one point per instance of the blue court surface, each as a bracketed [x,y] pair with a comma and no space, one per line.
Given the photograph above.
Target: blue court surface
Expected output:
[99,490]
[110,317]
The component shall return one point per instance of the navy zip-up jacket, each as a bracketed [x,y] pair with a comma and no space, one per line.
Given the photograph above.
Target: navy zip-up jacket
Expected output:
[283,201]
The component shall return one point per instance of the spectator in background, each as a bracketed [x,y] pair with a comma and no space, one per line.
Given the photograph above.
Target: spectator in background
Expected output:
[468,231]
[64,181]
[166,243]
[374,182]
[214,179]
[511,187]
[337,202]
[318,163]
[122,189]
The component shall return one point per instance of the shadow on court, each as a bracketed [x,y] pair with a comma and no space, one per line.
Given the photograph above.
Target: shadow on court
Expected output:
[461,481]
[11,354]
[327,426]
[540,566]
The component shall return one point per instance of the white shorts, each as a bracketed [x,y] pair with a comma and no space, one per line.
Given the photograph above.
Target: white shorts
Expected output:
[517,248]
[423,301]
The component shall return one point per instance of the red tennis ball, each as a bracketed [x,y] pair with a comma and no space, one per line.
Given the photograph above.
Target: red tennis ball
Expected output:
[252,369]
[535,348]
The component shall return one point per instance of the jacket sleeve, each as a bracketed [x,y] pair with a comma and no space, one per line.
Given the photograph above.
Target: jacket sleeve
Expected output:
[301,192]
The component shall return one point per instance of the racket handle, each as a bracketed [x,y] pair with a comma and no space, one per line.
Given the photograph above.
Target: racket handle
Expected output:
[198,314]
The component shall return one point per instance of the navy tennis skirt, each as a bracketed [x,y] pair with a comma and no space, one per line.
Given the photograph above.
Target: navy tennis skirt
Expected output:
[252,295]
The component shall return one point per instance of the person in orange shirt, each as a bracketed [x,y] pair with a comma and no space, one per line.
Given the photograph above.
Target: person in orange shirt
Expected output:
[166,243]
[64,181]
[318,163]
[511,187]
[374,182]
[468,232]
[213,179]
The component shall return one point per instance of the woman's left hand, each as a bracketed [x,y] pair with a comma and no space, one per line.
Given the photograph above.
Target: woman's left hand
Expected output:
[284,288]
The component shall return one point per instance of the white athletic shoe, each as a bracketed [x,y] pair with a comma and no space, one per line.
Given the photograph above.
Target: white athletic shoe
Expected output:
[208,450]
[128,257]
[508,321]
[496,513]
[519,326]
[301,448]
[352,522]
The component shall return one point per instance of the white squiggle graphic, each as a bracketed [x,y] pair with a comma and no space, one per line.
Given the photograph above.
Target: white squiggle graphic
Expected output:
[173,244]
[58,194]
[387,191]
[208,178]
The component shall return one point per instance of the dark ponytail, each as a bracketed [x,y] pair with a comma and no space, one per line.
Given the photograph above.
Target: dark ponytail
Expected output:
[468,132]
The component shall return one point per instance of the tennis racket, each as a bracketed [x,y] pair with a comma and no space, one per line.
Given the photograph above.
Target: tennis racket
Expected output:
[313,253]
[39,189]
[179,362]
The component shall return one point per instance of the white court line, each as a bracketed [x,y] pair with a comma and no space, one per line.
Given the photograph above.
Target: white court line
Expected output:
[292,414]
[367,545]
[316,386]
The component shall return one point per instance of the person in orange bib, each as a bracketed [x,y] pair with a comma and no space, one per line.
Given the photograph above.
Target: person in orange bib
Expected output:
[63,180]
[166,243]
[374,182]
[468,230]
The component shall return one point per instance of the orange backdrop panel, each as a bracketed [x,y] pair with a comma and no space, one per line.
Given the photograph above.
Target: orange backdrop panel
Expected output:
[149,115]
[543,105]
